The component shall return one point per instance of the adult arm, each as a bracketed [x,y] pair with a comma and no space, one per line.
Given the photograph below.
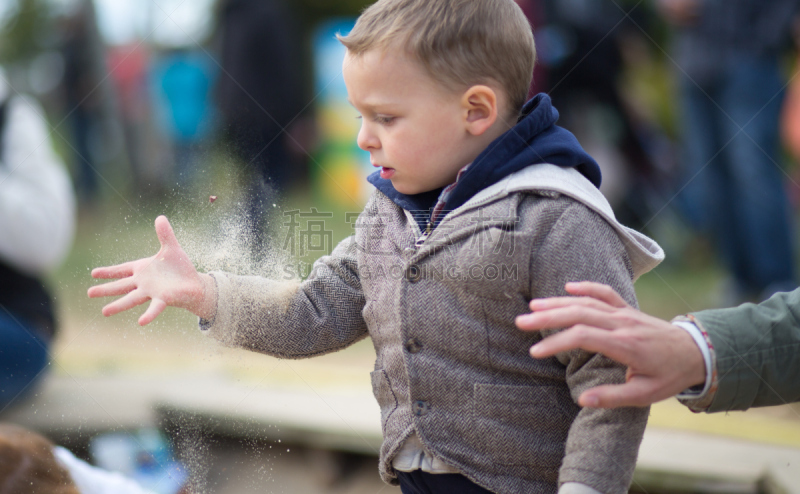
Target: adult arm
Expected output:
[756,350]
[37,204]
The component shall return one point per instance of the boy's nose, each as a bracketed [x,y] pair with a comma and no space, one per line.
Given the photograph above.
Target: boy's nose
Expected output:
[366,140]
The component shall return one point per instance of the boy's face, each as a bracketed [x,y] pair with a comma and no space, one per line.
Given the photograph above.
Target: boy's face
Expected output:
[414,129]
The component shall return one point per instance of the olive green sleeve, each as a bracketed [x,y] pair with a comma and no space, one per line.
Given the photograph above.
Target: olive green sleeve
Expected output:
[757,351]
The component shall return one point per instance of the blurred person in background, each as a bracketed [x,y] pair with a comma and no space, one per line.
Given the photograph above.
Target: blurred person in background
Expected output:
[128,66]
[28,464]
[260,96]
[534,11]
[182,81]
[790,119]
[582,46]
[31,464]
[37,220]
[82,98]
[728,58]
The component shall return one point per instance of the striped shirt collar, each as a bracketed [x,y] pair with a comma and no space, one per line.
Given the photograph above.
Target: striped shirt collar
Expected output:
[438,209]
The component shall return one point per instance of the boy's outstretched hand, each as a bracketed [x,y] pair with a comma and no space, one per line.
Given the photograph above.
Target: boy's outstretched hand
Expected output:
[167,278]
[662,359]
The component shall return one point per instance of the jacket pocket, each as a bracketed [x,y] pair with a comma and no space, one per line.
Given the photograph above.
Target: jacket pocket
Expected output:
[486,264]
[524,425]
[384,394]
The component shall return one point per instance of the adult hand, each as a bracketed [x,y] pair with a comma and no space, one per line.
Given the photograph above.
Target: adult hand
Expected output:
[167,278]
[662,359]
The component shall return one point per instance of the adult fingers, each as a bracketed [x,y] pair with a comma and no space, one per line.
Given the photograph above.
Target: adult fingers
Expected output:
[566,316]
[129,301]
[166,236]
[588,338]
[156,307]
[634,393]
[118,271]
[114,288]
[596,291]
[556,302]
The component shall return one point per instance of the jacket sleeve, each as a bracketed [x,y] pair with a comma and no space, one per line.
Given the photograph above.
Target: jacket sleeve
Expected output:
[292,319]
[37,204]
[756,348]
[577,245]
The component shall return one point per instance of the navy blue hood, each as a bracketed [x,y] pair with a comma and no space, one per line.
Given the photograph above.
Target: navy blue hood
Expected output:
[534,139]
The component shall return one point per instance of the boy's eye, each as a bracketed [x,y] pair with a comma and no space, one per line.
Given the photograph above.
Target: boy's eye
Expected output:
[383,119]
[379,119]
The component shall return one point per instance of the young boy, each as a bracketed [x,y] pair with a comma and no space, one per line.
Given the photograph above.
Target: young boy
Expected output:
[481,204]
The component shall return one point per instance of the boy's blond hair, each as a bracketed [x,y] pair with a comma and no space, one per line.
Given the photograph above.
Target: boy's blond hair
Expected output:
[460,43]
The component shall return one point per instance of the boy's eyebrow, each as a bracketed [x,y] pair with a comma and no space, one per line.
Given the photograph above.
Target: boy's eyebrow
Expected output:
[366,105]
[351,103]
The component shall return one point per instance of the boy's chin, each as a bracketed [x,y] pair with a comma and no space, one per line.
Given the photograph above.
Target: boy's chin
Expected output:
[410,190]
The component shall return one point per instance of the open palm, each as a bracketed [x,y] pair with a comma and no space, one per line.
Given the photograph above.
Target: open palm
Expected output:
[167,278]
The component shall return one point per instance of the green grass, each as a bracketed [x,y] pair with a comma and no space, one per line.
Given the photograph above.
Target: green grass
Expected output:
[671,290]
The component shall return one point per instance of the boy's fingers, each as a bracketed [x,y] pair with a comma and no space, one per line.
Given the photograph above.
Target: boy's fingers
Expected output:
[597,291]
[129,301]
[156,307]
[166,236]
[114,288]
[119,271]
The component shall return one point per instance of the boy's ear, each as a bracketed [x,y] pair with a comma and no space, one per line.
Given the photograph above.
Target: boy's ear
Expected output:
[481,105]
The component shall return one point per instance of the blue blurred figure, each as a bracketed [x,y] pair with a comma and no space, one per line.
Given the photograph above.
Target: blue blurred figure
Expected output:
[729,57]
[182,81]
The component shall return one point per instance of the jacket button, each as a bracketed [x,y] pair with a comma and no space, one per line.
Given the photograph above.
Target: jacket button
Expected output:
[413,345]
[413,273]
[421,407]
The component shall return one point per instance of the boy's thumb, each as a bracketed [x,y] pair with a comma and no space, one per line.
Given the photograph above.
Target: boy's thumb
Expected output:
[164,231]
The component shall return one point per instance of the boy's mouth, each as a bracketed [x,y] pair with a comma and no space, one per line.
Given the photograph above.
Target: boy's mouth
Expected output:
[387,173]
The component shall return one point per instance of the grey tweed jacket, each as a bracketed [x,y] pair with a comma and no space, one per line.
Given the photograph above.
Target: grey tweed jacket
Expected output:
[451,366]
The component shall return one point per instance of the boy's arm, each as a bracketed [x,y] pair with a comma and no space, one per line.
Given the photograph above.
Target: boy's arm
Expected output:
[603,444]
[290,319]
[663,360]
[282,318]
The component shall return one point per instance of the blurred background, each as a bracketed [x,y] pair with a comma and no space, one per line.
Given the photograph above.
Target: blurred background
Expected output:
[230,116]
